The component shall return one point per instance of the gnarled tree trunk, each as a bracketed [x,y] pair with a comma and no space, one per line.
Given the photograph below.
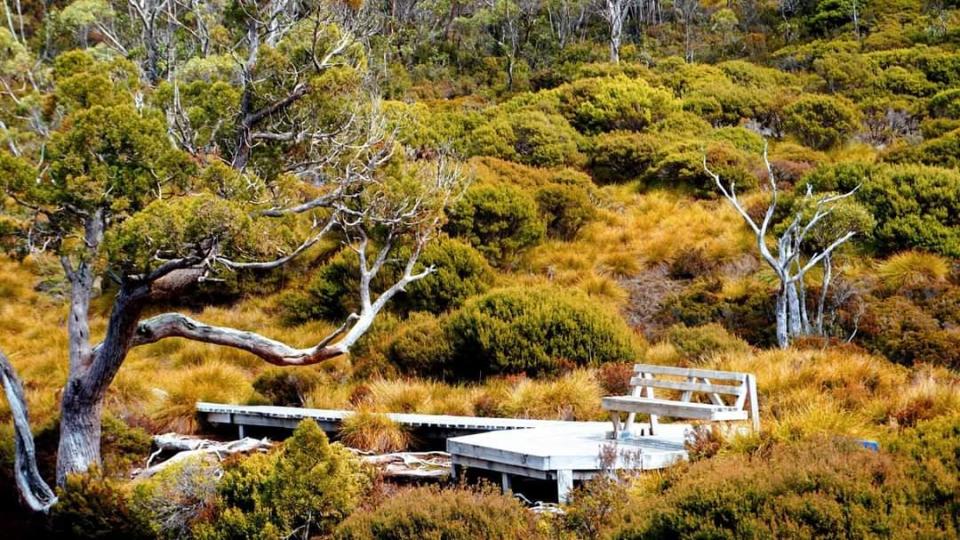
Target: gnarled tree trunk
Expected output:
[35,492]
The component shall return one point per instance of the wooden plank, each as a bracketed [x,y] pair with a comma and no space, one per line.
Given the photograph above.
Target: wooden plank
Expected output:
[701,411]
[690,372]
[687,385]
[462,462]
[754,402]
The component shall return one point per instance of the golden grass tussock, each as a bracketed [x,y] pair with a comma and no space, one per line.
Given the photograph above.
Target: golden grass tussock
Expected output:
[637,229]
[181,389]
[913,269]
[806,393]
[373,432]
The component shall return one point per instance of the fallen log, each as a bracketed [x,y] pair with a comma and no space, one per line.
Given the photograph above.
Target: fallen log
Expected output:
[187,447]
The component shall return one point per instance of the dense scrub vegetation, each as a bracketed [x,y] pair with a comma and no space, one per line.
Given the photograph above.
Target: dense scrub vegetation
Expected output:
[589,236]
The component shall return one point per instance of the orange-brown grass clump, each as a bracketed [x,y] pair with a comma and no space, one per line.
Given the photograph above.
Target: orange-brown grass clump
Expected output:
[373,432]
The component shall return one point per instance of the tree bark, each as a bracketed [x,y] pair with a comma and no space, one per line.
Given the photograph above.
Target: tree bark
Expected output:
[783,338]
[83,395]
[33,489]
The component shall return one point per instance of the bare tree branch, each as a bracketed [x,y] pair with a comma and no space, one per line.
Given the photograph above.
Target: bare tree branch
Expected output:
[33,489]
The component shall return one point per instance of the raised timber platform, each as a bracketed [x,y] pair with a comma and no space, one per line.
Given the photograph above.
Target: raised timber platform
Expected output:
[329,419]
[554,450]
[567,452]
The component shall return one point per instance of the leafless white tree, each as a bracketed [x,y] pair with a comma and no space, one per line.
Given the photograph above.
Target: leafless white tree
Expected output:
[614,12]
[786,259]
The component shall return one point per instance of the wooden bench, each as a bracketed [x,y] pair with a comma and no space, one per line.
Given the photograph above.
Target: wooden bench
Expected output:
[726,396]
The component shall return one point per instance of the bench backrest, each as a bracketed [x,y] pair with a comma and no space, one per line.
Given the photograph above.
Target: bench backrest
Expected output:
[725,388]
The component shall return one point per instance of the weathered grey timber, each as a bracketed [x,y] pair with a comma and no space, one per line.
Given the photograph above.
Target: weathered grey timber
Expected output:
[553,450]
[329,420]
[689,382]
[566,452]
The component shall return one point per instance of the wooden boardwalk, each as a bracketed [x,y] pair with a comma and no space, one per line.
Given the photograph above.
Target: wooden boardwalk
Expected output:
[554,450]
[329,420]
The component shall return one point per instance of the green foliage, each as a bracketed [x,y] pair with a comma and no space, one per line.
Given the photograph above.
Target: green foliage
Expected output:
[933,446]
[612,103]
[454,514]
[528,136]
[565,209]
[333,293]
[172,500]
[914,206]
[946,104]
[461,272]
[621,156]
[90,506]
[531,330]
[820,489]
[681,166]
[421,348]
[501,221]
[747,314]
[700,343]
[305,488]
[821,122]
[111,156]
[287,387]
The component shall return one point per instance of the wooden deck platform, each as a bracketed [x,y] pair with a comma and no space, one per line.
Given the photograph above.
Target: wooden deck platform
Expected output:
[329,419]
[573,451]
[552,450]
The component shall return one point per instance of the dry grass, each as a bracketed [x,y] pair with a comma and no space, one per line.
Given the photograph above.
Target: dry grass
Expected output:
[373,432]
[913,269]
[807,393]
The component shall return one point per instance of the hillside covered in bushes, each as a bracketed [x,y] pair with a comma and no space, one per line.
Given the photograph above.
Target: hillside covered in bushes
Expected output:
[489,208]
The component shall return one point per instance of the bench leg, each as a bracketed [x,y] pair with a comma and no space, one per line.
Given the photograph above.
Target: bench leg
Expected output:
[615,417]
[505,483]
[654,425]
[629,427]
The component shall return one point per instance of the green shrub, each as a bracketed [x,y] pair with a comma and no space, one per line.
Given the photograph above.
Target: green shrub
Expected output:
[915,206]
[176,497]
[461,272]
[681,165]
[565,209]
[499,220]
[942,151]
[821,122]
[333,293]
[748,314]
[946,104]
[932,446]
[90,506]
[421,348]
[454,514]
[822,489]
[287,387]
[528,136]
[700,343]
[531,330]
[621,156]
[612,103]
[305,488]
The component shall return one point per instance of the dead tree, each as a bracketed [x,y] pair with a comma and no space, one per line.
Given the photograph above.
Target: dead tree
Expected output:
[614,12]
[33,489]
[787,260]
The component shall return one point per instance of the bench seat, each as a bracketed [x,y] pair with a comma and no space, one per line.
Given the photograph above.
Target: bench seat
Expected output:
[666,407]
